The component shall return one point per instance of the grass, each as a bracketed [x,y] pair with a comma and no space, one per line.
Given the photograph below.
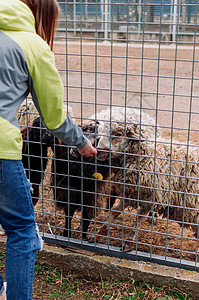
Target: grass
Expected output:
[53,283]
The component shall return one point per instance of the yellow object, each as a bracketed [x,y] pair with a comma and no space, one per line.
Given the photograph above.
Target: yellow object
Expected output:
[98,176]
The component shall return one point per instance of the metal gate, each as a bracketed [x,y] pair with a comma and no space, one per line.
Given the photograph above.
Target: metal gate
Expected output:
[131,77]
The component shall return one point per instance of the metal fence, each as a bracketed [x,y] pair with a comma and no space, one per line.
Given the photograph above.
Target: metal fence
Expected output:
[117,19]
[130,72]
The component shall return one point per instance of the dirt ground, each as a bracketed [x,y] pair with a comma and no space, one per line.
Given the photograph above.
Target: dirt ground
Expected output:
[165,83]
[154,81]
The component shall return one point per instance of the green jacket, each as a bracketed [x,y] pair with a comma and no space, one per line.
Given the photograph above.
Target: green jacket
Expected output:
[27,65]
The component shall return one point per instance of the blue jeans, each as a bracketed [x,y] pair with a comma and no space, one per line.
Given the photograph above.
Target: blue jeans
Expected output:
[18,220]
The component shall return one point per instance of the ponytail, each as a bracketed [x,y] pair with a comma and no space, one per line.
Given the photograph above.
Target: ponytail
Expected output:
[46,13]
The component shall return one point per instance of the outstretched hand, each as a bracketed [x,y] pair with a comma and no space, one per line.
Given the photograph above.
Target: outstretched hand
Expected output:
[88,150]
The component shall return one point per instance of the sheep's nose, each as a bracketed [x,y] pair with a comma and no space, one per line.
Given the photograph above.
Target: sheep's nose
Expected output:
[103,144]
[102,148]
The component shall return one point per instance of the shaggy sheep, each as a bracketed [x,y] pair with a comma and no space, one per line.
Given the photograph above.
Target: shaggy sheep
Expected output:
[26,112]
[36,140]
[70,173]
[74,182]
[152,173]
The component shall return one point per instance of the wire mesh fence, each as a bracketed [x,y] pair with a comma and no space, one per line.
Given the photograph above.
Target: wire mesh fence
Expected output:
[121,20]
[130,73]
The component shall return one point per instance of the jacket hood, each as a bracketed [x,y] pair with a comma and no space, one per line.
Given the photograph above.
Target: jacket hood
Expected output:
[16,16]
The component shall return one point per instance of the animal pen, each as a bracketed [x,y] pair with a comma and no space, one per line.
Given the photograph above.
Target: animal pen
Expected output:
[129,65]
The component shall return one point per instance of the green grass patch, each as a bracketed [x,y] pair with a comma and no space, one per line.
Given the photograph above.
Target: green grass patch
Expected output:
[69,286]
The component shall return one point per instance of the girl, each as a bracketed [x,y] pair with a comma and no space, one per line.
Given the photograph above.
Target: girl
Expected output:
[27,65]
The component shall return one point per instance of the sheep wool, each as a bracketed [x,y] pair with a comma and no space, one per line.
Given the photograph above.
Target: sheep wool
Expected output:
[153,173]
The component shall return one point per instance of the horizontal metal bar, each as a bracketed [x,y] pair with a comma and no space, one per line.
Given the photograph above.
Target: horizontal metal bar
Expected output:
[114,251]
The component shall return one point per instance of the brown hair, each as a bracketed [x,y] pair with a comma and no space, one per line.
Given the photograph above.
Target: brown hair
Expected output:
[46,13]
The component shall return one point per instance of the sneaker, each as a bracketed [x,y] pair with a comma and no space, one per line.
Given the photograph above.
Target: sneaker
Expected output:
[5,286]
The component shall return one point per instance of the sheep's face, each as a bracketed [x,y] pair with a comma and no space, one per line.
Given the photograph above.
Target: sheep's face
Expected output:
[115,141]
[119,130]
[119,140]
[90,130]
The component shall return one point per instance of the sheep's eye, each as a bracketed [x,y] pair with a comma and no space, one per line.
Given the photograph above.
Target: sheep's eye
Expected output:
[118,134]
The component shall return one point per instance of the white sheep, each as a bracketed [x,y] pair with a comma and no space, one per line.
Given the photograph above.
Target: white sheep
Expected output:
[27,112]
[152,173]
[125,121]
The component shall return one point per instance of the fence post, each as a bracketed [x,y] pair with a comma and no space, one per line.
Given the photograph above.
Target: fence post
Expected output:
[106,20]
[139,18]
[174,20]
[74,17]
